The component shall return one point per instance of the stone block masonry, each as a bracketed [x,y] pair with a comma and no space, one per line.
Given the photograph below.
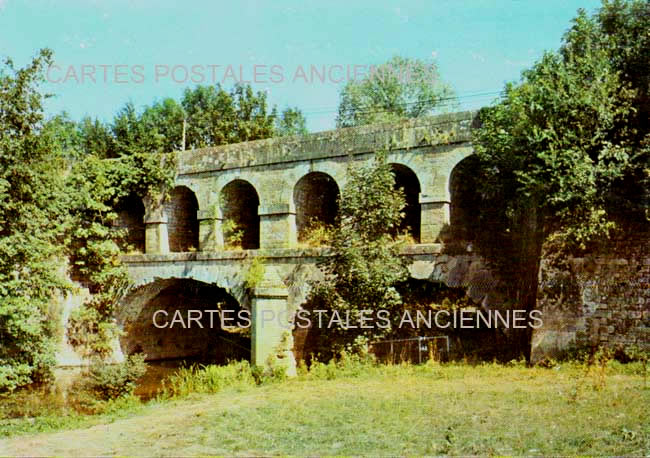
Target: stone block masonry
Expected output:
[235,203]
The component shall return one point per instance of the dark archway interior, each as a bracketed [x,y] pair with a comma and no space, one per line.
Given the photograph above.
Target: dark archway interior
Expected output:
[182,339]
[182,222]
[316,200]
[465,200]
[406,180]
[239,208]
[130,218]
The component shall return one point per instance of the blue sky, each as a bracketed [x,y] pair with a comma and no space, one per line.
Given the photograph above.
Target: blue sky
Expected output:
[478,45]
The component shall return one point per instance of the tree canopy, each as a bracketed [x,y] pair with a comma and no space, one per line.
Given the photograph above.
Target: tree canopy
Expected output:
[364,268]
[32,225]
[205,116]
[564,145]
[400,88]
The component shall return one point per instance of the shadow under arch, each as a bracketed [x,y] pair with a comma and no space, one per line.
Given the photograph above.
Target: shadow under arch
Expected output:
[465,199]
[182,223]
[171,319]
[315,197]
[407,180]
[130,218]
[240,203]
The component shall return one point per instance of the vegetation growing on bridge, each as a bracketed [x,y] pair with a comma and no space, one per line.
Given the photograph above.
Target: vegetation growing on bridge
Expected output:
[566,154]
[562,159]
[60,185]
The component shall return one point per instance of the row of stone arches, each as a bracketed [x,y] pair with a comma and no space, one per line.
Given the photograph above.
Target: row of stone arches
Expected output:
[315,198]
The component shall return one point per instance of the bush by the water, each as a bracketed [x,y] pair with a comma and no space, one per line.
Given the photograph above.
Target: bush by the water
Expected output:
[112,381]
[207,379]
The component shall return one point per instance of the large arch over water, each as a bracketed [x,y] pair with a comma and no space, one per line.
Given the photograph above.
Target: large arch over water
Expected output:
[181,318]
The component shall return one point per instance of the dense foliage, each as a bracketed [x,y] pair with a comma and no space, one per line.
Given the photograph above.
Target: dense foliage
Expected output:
[400,88]
[364,266]
[565,154]
[205,116]
[112,381]
[60,185]
[33,221]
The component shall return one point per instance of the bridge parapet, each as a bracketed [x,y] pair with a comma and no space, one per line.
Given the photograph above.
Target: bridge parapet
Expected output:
[410,133]
[270,190]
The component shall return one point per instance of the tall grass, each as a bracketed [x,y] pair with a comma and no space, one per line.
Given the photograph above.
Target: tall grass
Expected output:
[207,379]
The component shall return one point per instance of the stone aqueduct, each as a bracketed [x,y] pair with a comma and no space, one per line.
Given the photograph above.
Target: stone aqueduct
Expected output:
[271,189]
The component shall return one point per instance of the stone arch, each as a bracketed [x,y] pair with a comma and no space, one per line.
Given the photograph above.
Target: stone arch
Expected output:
[156,321]
[239,204]
[406,179]
[465,200]
[315,198]
[130,218]
[182,224]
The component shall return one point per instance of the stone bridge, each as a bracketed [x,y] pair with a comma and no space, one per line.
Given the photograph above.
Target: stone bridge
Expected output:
[238,227]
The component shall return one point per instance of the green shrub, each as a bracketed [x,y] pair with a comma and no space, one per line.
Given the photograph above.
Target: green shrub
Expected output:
[316,234]
[254,273]
[207,379]
[112,381]
[233,235]
[346,365]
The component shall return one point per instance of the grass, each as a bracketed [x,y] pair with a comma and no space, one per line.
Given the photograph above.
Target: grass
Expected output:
[354,408]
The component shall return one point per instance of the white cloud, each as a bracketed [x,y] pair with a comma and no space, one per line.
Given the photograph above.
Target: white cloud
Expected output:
[3,3]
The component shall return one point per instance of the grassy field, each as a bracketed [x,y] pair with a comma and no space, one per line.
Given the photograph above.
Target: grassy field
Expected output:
[429,409]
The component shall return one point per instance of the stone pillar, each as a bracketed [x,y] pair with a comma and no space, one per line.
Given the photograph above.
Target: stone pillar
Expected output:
[156,240]
[210,232]
[272,340]
[277,226]
[434,216]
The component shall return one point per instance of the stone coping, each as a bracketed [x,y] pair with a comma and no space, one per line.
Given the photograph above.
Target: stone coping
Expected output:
[410,133]
[240,255]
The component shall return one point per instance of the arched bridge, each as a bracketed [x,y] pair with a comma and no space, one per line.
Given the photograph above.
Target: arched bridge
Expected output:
[264,199]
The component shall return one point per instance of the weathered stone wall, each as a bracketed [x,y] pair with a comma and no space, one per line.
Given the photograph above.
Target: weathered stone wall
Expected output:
[425,150]
[601,299]
[182,225]
[258,185]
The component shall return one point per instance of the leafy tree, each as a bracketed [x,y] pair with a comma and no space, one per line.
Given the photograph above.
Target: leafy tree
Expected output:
[66,135]
[291,122]
[364,266]
[212,116]
[32,222]
[554,150]
[96,138]
[134,135]
[619,28]
[400,88]
[216,117]
[166,119]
